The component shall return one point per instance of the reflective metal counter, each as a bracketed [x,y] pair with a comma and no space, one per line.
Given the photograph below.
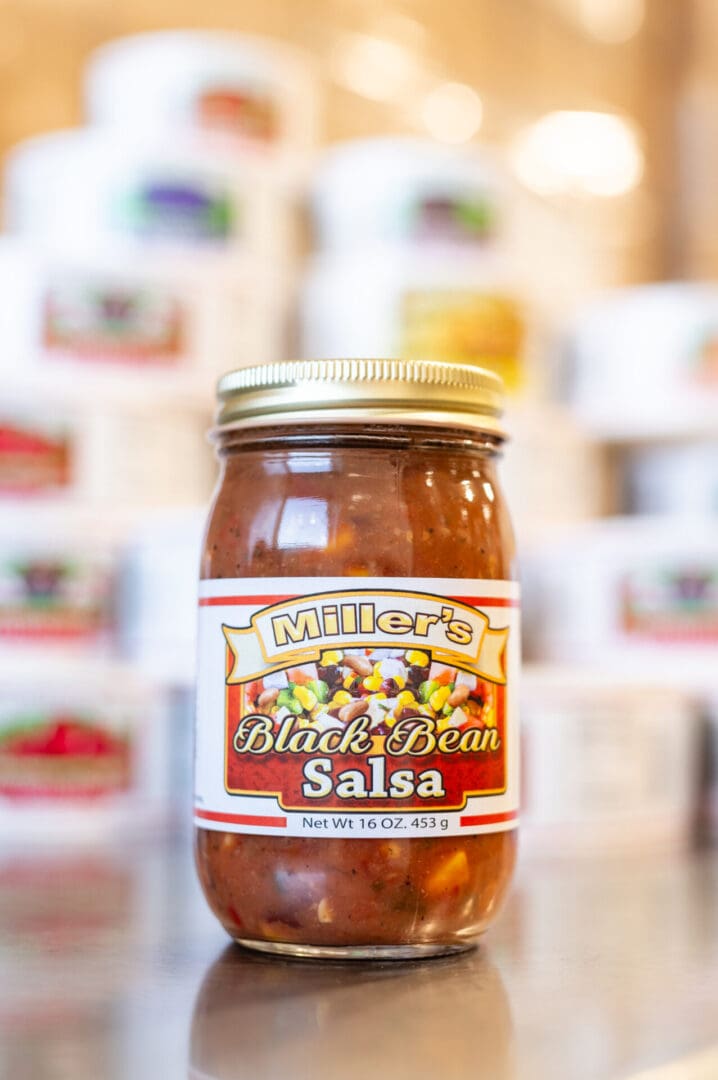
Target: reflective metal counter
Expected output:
[111,967]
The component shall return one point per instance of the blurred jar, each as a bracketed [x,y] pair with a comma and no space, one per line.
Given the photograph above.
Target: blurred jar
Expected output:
[158,600]
[256,91]
[413,260]
[627,591]
[135,191]
[368,193]
[94,451]
[126,320]
[645,360]
[83,754]
[446,304]
[553,473]
[57,580]
[609,765]
[674,478]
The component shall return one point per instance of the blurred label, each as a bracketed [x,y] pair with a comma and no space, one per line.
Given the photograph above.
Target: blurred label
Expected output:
[53,598]
[450,218]
[706,367]
[63,755]
[465,327]
[99,322]
[237,112]
[170,210]
[32,458]
[671,604]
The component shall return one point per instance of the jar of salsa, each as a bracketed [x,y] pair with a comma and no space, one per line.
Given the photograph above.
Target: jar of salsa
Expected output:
[356,785]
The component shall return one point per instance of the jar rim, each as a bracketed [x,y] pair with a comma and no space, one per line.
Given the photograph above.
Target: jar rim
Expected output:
[353,390]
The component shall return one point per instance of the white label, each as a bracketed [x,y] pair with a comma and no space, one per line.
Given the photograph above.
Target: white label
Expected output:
[357,707]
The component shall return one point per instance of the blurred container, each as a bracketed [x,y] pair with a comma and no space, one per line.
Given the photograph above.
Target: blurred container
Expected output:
[83,754]
[553,473]
[608,765]
[674,478]
[372,192]
[645,361]
[441,303]
[158,613]
[709,771]
[57,578]
[72,312]
[141,191]
[640,594]
[98,452]
[257,90]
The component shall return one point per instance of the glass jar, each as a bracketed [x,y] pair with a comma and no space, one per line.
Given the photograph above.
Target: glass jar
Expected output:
[357,746]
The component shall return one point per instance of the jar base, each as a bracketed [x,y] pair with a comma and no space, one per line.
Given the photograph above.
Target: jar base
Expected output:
[290,950]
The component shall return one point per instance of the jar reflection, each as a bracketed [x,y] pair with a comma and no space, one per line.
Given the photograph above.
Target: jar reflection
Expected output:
[258,1017]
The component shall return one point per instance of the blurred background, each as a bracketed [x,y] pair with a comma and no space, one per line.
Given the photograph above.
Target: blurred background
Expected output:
[525,186]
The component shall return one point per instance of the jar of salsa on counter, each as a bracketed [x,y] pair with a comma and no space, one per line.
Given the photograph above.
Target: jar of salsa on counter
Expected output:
[356,776]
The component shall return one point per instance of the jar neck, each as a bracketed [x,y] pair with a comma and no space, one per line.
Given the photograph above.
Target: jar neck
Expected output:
[366,436]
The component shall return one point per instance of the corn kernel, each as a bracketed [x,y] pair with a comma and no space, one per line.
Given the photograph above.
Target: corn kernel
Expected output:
[348,681]
[404,699]
[306,697]
[414,656]
[372,682]
[325,913]
[452,873]
[331,656]
[439,698]
[341,698]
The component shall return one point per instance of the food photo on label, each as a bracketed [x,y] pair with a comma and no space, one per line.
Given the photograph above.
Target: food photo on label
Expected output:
[356,766]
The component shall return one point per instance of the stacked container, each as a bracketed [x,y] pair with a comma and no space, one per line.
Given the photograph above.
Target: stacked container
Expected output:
[143,255]
[425,250]
[634,599]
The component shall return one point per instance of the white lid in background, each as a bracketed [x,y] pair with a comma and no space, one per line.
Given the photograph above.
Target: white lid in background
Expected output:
[368,190]
[154,79]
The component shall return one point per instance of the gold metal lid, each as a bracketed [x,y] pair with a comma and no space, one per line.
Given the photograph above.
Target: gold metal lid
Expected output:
[426,392]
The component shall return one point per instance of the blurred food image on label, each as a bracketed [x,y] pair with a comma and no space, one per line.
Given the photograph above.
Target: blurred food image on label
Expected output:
[671,604]
[355,712]
[96,321]
[62,755]
[33,457]
[454,219]
[172,210]
[238,111]
[465,327]
[55,598]
[706,365]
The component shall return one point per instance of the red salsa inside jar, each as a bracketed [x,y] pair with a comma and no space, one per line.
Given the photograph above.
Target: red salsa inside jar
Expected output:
[357,747]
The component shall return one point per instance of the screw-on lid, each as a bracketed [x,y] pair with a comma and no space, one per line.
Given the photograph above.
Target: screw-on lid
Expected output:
[427,392]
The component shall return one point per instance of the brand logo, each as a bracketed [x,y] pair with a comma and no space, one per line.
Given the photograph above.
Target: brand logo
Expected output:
[297,631]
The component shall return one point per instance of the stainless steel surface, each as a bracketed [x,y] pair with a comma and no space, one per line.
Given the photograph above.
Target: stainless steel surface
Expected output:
[111,967]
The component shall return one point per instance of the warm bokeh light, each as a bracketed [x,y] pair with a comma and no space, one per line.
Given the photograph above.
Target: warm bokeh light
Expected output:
[612,21]
[452,112]
[376,68]
[579,153]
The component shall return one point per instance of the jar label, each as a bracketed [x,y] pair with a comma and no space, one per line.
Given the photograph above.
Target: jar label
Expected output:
[327,709]
[113,321]
[468,327]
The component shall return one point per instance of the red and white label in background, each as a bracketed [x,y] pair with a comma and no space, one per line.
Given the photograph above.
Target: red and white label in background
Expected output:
[330,710]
